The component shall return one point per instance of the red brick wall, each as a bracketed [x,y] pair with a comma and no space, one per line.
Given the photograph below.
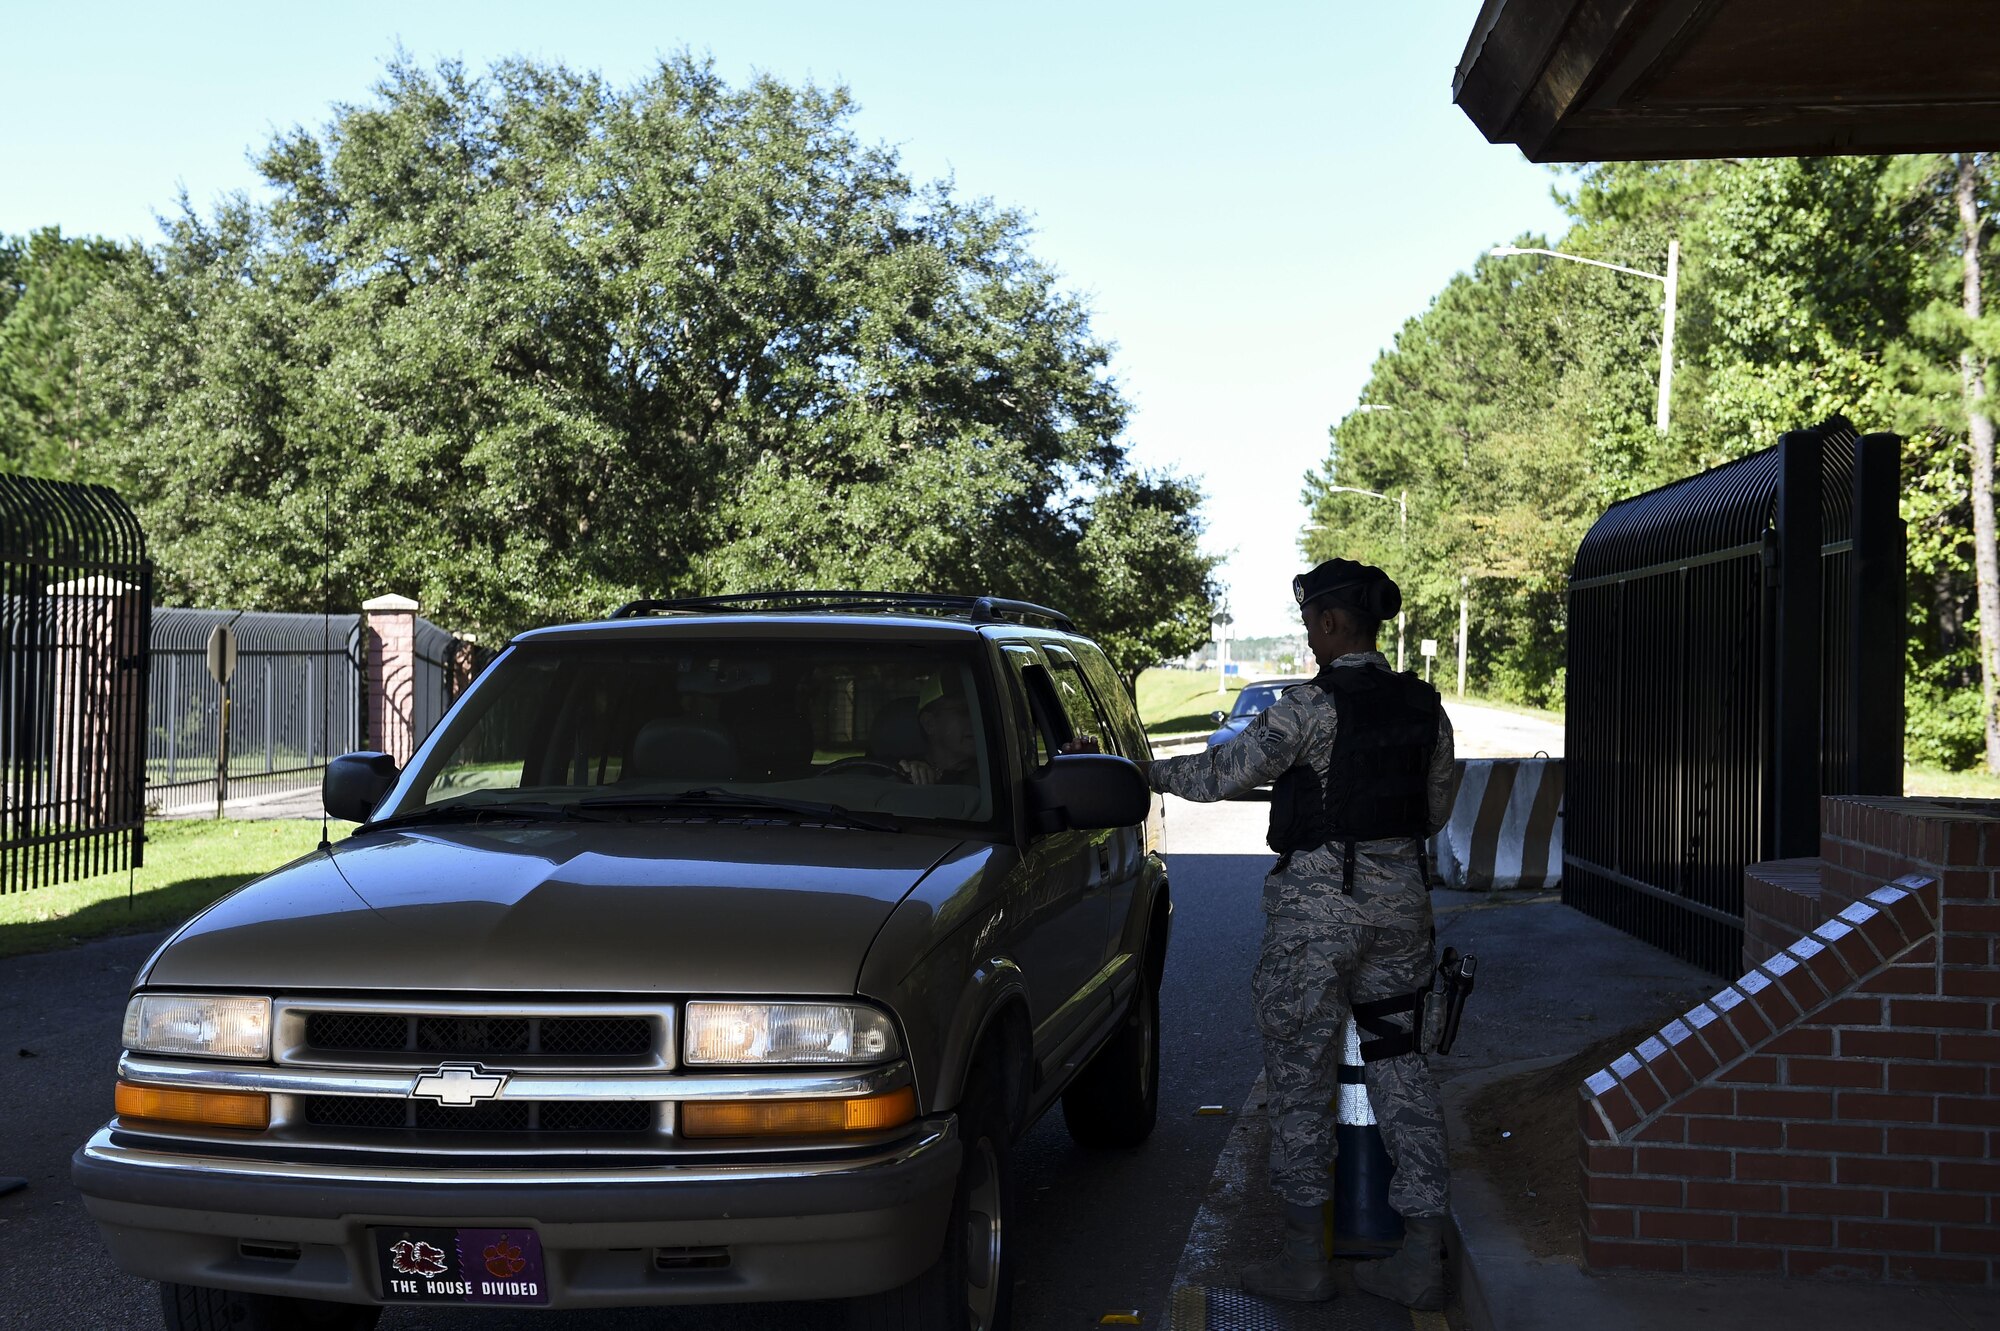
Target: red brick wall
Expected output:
[1836,1111]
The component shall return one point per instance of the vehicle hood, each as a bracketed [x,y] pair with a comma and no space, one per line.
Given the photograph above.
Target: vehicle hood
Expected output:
[639,907]
[1230,729]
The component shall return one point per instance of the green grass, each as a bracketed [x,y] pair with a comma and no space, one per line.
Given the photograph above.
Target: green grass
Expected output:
[1520,709]
[1174,701]
[189,863]
[1973,785]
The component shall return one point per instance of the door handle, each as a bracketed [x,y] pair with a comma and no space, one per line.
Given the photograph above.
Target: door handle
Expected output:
[1103,858]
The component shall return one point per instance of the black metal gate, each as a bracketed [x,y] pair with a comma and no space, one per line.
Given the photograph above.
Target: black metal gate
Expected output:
[1735,651]
[295,701]
[76,593]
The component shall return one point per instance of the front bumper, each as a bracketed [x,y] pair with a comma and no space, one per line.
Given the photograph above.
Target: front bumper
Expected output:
[818,1229]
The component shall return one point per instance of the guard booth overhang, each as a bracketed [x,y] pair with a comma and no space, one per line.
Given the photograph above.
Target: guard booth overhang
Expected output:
[1605,80]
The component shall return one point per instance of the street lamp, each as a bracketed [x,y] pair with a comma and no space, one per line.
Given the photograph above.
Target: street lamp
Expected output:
[1672,280]
[1402,502]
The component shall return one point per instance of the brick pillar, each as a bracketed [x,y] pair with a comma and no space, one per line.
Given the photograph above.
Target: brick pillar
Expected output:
[97,645]
[462,664]
[389,678]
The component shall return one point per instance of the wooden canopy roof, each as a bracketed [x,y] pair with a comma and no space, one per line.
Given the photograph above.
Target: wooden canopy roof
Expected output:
[1598,80]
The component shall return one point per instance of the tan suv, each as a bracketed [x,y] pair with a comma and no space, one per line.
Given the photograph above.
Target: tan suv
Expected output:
[714,952]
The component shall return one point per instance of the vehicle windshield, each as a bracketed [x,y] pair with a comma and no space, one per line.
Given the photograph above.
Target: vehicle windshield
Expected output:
[894,729]
[1256,697]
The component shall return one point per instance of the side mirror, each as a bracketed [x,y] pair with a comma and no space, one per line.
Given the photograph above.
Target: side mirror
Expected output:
[1218,717]
[355,783]
[1085,790]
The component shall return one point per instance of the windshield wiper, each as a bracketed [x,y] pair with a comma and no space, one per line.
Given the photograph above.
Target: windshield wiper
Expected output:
[715,798]
[468,813]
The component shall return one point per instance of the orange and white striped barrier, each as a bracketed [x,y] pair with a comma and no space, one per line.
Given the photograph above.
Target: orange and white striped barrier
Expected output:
[1506,825]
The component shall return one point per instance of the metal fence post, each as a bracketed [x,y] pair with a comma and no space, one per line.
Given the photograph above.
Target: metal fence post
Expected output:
[1876,573]
[270,751]
[1795,712]
[173,711]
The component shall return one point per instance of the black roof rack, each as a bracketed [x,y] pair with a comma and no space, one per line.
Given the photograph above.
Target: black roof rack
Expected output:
[978,609]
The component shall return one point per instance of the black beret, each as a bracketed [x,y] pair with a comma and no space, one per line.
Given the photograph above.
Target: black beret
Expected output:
[1362,588]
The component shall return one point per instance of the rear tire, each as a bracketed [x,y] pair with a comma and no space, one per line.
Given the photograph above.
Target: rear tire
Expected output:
[971,1285]
[1116,1100]
[199,1308]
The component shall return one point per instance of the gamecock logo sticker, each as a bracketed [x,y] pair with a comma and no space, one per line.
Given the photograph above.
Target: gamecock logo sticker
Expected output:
[412,1258]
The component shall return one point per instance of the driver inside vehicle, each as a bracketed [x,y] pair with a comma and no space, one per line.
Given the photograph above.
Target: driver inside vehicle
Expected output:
[951,748]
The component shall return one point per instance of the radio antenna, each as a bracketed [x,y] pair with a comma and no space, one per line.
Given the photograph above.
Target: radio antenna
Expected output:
[325,650]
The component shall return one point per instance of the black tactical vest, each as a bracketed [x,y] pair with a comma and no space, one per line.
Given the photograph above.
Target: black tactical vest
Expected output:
[1378,780]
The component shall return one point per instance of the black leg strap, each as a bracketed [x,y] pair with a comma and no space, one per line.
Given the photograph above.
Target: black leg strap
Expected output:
[1389,1041]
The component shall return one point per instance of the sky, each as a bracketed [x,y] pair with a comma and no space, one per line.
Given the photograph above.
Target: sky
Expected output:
[1251,198]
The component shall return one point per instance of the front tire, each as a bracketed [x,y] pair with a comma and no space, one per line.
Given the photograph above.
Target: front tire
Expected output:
[199,1308]
[971,1285]
[1116,1100]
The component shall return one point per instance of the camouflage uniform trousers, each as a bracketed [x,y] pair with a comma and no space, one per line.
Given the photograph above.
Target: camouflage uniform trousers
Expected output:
[1309,972]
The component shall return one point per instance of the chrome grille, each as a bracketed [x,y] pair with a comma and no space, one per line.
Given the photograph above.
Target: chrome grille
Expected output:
[379,1114]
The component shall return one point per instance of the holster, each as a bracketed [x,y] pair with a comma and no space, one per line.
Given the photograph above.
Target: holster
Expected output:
[1450,989]
[1438,1009]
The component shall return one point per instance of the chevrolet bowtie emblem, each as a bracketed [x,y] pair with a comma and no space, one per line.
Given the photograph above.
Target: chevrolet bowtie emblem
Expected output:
[459,1085]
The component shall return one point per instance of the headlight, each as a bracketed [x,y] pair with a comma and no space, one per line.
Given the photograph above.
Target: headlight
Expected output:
[214,1026]
[723,1033]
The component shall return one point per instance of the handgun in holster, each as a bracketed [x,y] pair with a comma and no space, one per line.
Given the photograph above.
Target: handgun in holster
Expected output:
[1444,1002]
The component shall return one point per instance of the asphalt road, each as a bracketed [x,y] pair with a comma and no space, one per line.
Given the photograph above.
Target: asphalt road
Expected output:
[1098,1230]
[1495,732]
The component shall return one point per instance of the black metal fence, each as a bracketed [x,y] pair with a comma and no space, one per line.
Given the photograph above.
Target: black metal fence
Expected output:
[1735,650]
[444,666]
[75,601]
[293,703]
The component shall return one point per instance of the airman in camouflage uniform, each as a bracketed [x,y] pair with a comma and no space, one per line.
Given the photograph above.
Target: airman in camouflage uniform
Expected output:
[1332,939]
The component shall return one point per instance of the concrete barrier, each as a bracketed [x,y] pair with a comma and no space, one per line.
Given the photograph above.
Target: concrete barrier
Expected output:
[1506,825]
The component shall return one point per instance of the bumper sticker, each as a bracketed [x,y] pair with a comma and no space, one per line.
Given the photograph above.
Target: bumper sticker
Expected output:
[502,1266]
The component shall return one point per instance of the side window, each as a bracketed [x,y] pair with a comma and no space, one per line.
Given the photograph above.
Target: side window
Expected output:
[1043,728]
[1081,709]
[1116,702]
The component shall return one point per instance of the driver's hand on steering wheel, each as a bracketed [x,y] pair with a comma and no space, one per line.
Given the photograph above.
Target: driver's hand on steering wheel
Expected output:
[917,772]
[1082,744]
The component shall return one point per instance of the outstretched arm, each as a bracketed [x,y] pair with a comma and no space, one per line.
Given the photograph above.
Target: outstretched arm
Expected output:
[1260,755]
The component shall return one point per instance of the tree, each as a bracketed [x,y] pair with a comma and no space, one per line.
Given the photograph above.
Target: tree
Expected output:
[541,344]
[45,278]
[1809,287]
[1148,591]
[1972,362]
[1516,403]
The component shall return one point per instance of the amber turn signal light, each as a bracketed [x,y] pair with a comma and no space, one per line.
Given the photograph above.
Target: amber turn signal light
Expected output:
[797,1118]
[215,1109]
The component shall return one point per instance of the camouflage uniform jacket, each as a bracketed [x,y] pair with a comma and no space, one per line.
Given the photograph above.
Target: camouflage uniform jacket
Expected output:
[1389,891]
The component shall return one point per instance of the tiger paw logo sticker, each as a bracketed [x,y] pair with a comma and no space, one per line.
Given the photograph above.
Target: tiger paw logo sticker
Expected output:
[504,1258]
[416,1258]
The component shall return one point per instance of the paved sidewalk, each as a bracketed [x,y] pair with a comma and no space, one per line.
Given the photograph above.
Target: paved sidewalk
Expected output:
[303,802]
[1479,731]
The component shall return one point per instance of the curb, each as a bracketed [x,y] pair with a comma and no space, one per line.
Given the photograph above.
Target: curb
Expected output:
[1480,1238]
